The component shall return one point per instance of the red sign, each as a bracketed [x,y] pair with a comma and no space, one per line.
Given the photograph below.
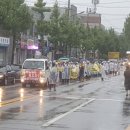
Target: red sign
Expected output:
[35,74]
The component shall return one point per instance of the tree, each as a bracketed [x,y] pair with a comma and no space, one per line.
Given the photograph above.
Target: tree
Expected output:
[66,28]
[55,29]
[40,8]
[41,25]
[126,31]
[15,17]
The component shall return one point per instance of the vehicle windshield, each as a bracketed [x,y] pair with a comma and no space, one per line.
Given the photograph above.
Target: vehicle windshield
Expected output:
[33,65]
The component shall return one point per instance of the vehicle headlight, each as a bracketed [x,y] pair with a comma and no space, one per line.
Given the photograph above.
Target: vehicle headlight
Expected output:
[22,80]
[42,74]
[42,80]
[1,76]
[22,72]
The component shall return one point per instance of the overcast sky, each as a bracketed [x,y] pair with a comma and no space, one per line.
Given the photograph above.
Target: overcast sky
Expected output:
[114,12]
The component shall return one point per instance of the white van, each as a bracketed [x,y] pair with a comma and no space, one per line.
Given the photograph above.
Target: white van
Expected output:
[35,72]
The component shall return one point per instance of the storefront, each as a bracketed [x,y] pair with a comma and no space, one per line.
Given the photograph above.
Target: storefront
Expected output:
[27,49]
[32,47]
[4,44]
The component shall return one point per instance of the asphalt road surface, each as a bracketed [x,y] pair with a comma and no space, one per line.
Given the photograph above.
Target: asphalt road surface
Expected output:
[91,105]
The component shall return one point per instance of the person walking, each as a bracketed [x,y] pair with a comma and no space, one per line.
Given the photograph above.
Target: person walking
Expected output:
[102,71]
[81,72]
[67,73]
[127,80]
[53,77]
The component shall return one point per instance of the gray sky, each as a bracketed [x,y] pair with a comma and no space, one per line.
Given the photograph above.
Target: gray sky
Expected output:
[114,12]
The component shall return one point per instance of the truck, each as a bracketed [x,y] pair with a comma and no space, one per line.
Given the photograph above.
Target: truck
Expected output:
[35,72]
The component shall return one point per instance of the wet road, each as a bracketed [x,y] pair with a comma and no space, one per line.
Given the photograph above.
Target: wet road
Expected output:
[92,105]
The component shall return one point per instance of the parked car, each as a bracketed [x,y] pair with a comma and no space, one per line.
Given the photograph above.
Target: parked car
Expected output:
[63,59]
[7,75]
[70,59]
[17,69]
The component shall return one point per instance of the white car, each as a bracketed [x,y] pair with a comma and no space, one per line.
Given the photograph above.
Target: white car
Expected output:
[35,72]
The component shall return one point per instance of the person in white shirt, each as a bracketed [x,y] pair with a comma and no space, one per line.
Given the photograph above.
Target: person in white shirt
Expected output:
[53,77]
[111,67]
[102,71]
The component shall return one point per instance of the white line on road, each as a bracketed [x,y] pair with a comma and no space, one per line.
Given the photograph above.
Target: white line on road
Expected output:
[74,98]
[115,100]
[65,114]
[83,98]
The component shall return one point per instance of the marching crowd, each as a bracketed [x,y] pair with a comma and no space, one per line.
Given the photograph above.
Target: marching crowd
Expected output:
[66,72]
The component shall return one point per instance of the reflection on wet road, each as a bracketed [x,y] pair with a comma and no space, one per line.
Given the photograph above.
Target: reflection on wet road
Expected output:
[83,106]
[1,94]
[21,94]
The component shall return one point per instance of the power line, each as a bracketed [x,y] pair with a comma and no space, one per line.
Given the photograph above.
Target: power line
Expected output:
[84,4]
[116,2]
[115,14]
[114,7]
[108,21]
[80,2]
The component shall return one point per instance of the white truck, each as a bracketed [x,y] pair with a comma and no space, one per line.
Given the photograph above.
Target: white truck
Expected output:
[35,72]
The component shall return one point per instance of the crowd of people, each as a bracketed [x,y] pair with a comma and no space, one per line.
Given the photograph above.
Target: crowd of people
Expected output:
[65,72]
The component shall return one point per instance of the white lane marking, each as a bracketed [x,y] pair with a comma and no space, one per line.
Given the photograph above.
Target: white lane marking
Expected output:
[80,98]
[75,98]
[65,114]
[115,100]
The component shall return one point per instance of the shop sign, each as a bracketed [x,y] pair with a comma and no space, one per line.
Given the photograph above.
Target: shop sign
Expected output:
[113,55]
[32,45]
[4,41]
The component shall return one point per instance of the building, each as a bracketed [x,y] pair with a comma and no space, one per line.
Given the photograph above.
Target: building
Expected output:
[47,17]
[90,19]
[5,45]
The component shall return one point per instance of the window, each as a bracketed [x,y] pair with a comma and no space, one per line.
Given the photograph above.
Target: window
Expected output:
[33,65]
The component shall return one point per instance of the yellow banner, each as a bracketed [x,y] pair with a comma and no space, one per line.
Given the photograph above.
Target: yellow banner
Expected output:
[113,55]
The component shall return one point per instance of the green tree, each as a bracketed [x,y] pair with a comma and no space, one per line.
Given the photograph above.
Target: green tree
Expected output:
[64,31]
[42,26]
[15,17]
[40,8]
[55,27]
[126,32]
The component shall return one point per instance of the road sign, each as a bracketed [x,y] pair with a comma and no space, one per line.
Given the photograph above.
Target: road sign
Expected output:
[113,55]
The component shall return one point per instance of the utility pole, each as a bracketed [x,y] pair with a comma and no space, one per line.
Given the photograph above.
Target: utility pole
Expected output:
[95,2]
[68,9]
